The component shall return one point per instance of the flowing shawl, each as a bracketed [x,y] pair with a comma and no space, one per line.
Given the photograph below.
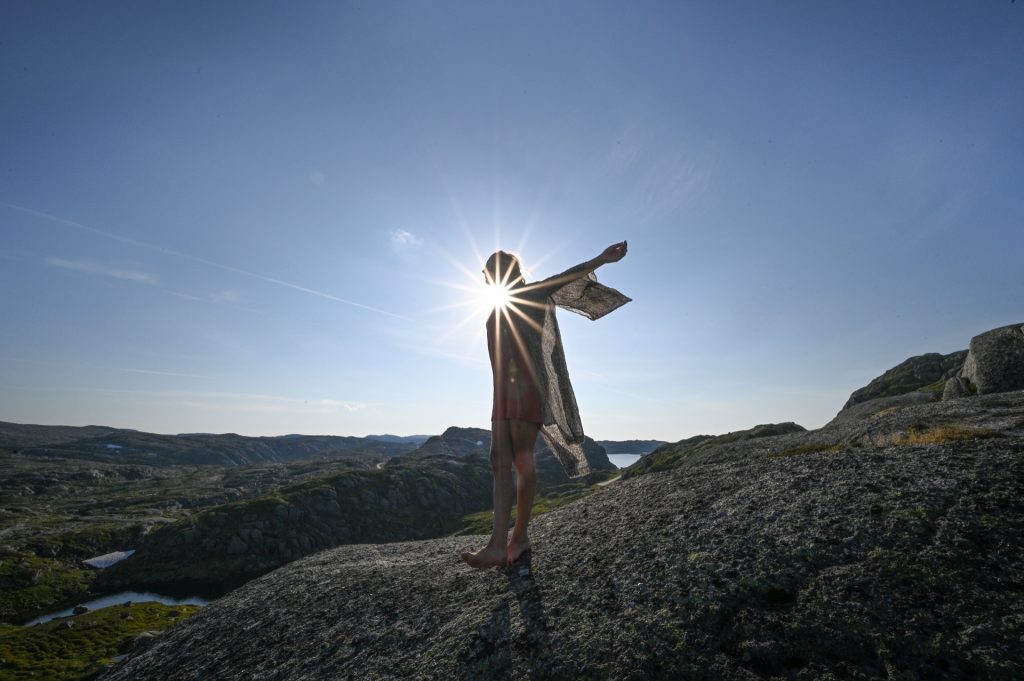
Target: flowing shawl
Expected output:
[562,428]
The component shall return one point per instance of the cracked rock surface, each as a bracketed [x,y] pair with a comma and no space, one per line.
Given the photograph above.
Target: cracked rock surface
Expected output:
[887,544]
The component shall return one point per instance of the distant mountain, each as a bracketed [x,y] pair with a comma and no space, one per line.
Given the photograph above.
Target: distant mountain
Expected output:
[630,446]
[28,435]
[405,439]
[110,445]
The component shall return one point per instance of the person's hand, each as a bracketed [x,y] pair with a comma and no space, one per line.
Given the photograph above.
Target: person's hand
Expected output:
[614,253]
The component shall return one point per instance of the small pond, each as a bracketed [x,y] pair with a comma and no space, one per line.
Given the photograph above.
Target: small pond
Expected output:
[118,599]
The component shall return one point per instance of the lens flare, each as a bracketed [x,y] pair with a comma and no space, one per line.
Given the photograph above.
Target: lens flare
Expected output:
[495,297]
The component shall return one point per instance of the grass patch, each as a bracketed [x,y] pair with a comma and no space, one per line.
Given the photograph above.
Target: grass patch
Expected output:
[810,448]
[59,652]
[30,584]
[933,435]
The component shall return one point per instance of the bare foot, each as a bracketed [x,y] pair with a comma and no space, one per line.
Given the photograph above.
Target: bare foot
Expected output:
[516,549]
[486,557]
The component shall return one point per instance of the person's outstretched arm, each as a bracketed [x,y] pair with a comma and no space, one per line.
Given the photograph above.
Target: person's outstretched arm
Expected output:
[613,253]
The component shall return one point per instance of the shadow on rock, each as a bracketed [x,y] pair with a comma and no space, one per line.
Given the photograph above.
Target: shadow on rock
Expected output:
[489,655]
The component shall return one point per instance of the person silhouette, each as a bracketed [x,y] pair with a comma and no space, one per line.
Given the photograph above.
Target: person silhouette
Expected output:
[532,393]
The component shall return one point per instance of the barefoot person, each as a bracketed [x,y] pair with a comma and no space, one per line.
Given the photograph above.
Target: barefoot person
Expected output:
[532,393]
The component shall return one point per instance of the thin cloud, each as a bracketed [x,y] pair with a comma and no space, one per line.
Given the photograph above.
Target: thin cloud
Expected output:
[224,401]
[405,242]
[154,372]
[178,254]
[96,268]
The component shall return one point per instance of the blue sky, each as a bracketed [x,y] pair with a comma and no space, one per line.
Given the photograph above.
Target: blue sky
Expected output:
[256,217]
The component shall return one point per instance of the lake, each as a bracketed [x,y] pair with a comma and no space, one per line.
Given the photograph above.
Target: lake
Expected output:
[118,599]
[624,460]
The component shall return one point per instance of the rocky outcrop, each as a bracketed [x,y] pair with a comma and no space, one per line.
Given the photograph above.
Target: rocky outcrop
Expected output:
[957,387]
[460,442]
[884,545]
[229,544]
[911,375]
[423,494]
[995,362]
[675,455]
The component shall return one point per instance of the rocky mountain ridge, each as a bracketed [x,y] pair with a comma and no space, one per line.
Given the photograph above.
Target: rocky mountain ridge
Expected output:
[122,446]
[886,544]
[785,556]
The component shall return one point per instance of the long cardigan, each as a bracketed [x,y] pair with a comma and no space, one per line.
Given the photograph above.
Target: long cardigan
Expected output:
[533,320]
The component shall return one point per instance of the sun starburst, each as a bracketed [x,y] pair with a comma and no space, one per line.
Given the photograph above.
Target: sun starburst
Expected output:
[495,297]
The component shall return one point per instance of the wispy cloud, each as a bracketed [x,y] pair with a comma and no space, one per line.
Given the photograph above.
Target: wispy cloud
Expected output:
[97,268]
[405,242]
[178,254]
[658,181]
[86,365]
[154,372]
[224,297]
[224,401]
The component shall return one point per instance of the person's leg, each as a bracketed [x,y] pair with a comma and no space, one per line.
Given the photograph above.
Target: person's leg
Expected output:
[495,553]
[524,439]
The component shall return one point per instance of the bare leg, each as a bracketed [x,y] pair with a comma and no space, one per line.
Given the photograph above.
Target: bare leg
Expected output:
[524,439]
[495,553]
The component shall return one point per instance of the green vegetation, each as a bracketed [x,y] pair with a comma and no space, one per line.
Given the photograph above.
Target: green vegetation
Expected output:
[79,647]
[30,584]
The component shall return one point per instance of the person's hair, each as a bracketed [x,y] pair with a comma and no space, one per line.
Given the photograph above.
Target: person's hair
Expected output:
[503,267]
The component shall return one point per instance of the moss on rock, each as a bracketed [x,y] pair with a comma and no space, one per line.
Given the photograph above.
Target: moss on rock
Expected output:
[82,646]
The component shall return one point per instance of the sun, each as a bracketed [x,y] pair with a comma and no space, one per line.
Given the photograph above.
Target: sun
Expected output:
[495,297]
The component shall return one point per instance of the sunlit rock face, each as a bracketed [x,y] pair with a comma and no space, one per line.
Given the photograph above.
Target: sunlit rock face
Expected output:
[995,362]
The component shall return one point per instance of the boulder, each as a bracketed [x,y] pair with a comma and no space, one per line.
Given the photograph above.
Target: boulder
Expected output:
[995,362]
[958,386]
